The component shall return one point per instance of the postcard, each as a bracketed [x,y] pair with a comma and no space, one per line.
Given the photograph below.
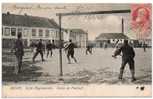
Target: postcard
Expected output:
[76,50]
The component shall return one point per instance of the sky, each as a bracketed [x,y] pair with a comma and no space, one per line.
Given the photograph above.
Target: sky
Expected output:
[93,24]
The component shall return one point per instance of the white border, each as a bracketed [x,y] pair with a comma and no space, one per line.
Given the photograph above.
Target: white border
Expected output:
[76,1]
[60,1]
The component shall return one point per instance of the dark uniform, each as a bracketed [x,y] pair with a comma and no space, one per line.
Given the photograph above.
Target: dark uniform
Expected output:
[19,52]
[144,46]
[39,49]
[89,49]
[44,47]
[53,44]
[49,47]
[128,55]
[70,51]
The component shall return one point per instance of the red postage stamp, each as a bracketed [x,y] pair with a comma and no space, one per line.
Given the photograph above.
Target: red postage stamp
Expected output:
[141,20]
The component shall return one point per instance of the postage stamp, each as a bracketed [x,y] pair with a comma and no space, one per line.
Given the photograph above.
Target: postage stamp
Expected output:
[76,50]
[141,20]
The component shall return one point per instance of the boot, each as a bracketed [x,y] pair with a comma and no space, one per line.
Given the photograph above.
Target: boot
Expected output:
[19,69]
[33,59]
[43,60]
[69,62]
[75,60]
[120,75]
[133,77]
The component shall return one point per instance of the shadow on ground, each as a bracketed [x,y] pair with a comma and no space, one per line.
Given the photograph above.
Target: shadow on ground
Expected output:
[104,76]
[30,72]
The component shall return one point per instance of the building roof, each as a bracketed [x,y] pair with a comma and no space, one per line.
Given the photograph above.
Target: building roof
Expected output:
[27,21]
[105,36]
[78,31]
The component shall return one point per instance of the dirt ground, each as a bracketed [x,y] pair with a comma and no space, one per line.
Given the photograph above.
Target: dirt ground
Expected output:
[98,68]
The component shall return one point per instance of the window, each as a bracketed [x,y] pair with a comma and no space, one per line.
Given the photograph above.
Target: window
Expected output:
[47,33]
[40,32]
[19,30]
[33,32]
[7,31]
[26,32]
[13,31]
[52,33]
[2,30]
[56,34]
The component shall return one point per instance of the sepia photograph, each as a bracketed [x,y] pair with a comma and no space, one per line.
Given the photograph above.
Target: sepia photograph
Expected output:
[76,45]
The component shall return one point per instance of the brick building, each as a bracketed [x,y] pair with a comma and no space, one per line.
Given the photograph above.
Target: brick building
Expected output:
[32,28]
[110,39]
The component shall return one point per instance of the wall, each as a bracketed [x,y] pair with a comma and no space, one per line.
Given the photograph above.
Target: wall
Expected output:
[9,33]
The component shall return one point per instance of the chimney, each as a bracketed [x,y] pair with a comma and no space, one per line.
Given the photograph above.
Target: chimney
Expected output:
[25,14]
[122,25]
[8,13]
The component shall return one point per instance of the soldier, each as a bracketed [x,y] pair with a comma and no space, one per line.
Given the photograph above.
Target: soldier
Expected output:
[39,49]
[70,51]
[144,46]
[49,47]
[53,43]
[127,57]
[43,47]
[88,49]
[19,52]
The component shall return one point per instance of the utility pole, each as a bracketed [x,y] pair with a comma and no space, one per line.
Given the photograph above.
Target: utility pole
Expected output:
[122,25]
[60,47]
